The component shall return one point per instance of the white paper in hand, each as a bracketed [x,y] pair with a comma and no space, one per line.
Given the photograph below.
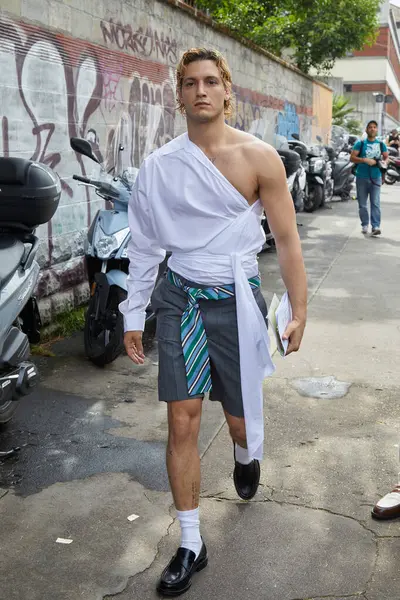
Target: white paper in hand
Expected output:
[283,315]
[271,314]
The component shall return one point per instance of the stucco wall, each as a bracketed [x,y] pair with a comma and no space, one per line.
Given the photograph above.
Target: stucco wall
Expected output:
[105,70]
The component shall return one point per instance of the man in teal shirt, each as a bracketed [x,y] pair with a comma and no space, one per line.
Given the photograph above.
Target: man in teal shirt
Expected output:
[365,155]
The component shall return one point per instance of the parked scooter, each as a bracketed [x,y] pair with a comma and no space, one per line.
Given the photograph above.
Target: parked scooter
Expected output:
[29,196]
[106,253]
[393,170]
[343,171]
[300,186]
[343,177]
[319,176]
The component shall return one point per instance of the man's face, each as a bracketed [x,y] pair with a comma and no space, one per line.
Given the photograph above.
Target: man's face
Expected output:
[372,130]
[203,92]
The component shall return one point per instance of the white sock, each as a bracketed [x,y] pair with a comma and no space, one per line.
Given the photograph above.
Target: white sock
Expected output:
[190,527]
[242,455]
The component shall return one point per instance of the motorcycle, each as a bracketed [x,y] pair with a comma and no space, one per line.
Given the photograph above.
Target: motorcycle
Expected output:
[393,171]
[319,176]
[300,186]
[107,263]
[343,169]
[29,197]
[343,177]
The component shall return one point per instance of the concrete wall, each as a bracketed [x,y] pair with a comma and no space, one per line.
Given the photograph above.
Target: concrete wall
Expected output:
[336,83]
[105,70]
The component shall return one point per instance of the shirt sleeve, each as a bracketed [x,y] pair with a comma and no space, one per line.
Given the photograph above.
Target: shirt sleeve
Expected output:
[144,255]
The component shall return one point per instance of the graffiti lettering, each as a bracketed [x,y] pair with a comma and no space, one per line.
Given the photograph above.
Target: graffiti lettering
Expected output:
[288,121]
[146,43]
[111,89]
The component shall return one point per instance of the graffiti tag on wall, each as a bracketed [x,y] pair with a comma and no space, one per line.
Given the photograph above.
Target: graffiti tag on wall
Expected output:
[148,43]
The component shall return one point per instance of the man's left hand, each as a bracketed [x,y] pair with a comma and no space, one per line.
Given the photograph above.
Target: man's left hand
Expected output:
[294,333]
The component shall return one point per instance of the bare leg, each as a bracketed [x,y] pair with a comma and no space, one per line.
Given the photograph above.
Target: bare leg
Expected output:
[183,461]
[183,465]
[237,429]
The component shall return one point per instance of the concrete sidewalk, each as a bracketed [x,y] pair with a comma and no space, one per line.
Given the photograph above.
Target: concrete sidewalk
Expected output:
[91,458]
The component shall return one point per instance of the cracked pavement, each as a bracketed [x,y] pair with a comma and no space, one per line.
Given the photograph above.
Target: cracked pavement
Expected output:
[92,453]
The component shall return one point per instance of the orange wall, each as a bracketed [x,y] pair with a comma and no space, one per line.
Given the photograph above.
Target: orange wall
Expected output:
[322,112]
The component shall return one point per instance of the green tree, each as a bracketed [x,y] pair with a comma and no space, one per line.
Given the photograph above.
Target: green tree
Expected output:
[340,109]
[317,31]
[353,126]
[341,115]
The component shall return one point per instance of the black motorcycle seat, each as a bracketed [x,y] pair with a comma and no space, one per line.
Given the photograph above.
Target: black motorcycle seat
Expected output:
[11,253]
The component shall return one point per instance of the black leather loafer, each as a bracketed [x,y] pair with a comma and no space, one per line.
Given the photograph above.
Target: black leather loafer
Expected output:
[177,576]
[246,479]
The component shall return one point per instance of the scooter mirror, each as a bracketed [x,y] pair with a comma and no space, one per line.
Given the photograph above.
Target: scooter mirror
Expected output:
[319,138]
[296,136]
[83,147]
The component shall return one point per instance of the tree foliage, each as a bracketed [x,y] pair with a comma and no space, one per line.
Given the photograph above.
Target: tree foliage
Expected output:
[340,109]
[317,31]
[353,126]
[341,115]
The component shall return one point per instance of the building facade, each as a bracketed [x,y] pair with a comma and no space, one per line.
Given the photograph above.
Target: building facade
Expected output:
[374,71]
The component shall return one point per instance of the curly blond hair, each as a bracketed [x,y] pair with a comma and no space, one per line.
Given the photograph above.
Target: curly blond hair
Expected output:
[195,54]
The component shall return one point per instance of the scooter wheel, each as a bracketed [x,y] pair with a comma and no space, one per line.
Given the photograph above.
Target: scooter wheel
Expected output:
[104,341]
[7,410]
[389,180]
[315,198]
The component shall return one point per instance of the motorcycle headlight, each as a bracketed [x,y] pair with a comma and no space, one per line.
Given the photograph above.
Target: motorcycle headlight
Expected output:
[107,245]
[316,165]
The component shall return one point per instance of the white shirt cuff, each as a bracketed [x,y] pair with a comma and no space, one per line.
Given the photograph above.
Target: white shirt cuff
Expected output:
[134,321]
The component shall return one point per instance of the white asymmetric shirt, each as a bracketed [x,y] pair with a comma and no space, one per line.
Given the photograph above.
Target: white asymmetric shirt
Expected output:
[181,203]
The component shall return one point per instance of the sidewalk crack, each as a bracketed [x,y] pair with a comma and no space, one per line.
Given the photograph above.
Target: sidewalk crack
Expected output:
[298,504]
[373,570]
[330,597]
[157,554]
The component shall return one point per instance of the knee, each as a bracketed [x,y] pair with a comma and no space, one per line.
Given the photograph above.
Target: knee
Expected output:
[183,425]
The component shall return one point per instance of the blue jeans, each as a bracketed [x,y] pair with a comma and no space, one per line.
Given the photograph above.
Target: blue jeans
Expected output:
[371,188]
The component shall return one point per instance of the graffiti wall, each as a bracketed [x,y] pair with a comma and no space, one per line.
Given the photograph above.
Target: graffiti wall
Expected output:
[115,86]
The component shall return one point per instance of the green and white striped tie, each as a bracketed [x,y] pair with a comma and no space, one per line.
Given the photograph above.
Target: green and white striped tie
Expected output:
[193,335]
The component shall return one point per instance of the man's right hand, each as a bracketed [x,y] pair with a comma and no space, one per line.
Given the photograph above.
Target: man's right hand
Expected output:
[370,161]
[134,347]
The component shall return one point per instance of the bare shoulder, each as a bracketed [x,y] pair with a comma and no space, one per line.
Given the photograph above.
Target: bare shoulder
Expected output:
[255,150]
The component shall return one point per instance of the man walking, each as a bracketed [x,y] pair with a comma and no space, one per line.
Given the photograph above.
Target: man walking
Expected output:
[366,154]
[201,197]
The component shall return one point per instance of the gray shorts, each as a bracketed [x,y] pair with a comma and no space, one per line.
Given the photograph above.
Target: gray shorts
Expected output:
[220,323]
